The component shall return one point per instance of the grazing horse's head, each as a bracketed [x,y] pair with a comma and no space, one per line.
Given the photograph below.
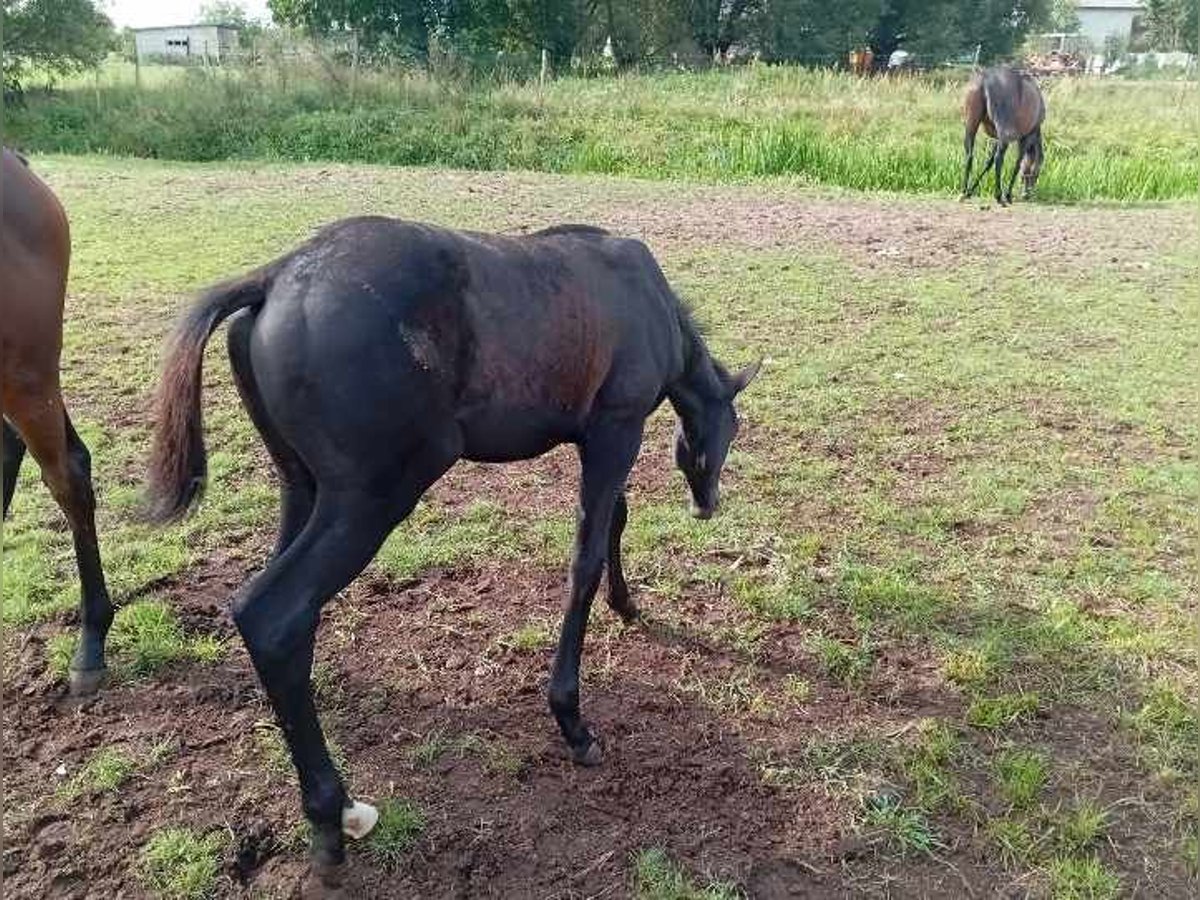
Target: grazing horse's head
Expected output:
[702,444]
[1031,164]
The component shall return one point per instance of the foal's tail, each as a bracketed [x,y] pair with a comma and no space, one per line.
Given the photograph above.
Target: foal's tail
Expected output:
[178,465]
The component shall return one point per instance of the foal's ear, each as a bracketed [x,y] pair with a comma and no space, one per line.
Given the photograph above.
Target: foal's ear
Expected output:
[738,382]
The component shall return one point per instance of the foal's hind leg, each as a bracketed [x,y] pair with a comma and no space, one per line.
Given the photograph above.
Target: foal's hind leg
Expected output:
[297,487]
[987,167]
[67,470]
[14,452]
[618,590]
[278,611]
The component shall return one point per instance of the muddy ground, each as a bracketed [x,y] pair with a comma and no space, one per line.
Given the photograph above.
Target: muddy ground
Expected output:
[507,814]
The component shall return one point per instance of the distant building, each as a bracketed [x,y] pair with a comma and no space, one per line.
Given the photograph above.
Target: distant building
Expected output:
[195,43]
[1100,20]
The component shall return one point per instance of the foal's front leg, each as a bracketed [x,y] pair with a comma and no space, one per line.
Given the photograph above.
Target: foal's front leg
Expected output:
[607,453]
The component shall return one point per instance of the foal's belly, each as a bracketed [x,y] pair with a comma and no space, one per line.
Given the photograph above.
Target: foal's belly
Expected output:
[507,435]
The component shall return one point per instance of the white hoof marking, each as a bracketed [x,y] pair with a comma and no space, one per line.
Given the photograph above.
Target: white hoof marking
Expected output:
[359,819]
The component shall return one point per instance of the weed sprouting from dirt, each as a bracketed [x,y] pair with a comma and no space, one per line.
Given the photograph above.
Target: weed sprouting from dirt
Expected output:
[146,636]
[903,828]
[1081,878]
[657,877]
[401,822]
[182,864]
[1021,775]
[1081,827]
[850,664]
[996,712]
[106,770]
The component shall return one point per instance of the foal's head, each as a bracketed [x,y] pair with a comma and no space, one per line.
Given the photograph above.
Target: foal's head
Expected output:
[701,445]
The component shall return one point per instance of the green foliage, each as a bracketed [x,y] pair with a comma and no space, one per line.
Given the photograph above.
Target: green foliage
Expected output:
[657,877]
[181,864]
[823,127]
[1172,24]
[58,36]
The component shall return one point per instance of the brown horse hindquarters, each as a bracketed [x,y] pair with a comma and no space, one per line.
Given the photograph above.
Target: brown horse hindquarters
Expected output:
[34,258]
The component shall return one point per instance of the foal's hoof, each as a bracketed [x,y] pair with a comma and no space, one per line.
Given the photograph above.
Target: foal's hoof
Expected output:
[628,612]
[86,682]
[358,819]
[589,756]
[324,882]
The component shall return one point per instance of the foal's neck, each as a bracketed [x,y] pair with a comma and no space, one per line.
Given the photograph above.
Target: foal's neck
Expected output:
[700,384]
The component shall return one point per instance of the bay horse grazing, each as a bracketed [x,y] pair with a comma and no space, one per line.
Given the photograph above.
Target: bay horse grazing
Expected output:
[380,352]
[1011,109]
[35,252]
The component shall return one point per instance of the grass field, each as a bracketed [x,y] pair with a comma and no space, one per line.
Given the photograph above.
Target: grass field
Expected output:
[940,640]
[1106,139]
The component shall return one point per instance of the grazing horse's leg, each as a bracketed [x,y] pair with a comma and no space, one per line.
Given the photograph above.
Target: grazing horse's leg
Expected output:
[67,470]
[298,491]
[618,590]
[608,453]
[1001,149]
[14,452]
[278,611]
[969,147]
[982,173]
[1022,149]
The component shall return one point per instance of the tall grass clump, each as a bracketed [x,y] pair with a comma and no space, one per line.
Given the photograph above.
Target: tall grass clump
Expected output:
[1105,139]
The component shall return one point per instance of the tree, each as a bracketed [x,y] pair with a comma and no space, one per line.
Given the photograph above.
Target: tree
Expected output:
[1172,24]
[223,12]
[813,31]
[1063,16]
[940,29]
[56,36]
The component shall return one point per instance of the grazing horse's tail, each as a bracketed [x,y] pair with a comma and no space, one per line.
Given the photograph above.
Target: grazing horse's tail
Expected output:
[178,464]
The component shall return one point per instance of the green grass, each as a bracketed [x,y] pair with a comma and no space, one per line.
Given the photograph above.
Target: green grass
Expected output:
[1109,140]
[1021,775]
[1082,878]
[1005,709]
[905,829]
[182,864]
[1082,827]
[146,636]
[657,877]
[105,771]
[401,822]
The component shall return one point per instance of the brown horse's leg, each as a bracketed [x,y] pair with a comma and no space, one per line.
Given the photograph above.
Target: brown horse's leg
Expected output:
[1001,149]
[982,173]
[14,452]
[67,471]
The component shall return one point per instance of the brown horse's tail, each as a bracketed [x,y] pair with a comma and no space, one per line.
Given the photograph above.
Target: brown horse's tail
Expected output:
[178,464]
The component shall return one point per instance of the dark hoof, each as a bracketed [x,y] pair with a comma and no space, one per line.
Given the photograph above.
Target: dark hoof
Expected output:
[330,875]
[86,682]
[324,882]
[589,756]
[628,612]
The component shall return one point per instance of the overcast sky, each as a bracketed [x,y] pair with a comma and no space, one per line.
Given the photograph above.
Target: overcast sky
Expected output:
[144,13]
